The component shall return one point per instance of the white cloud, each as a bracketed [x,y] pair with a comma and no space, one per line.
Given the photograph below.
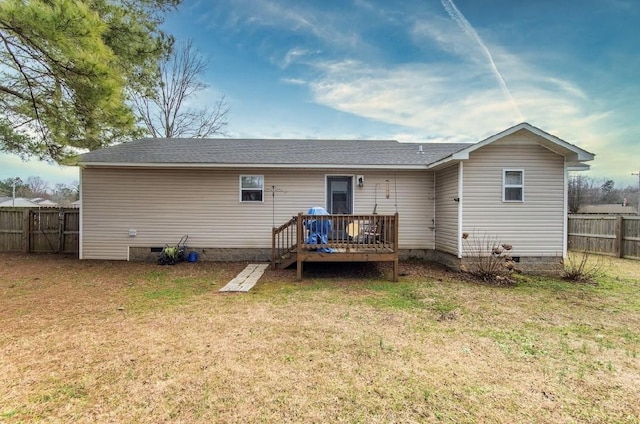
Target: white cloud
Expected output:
[436,99]
[298,17]
[439,32]
[296,55]
[294,81]
[457,102]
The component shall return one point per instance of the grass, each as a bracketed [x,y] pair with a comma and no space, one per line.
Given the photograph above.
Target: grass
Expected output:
[100,341]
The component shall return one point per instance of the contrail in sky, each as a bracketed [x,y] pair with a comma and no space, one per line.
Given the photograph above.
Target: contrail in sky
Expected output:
[462,22]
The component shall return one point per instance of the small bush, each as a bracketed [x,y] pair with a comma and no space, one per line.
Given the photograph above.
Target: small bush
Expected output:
[488,259]
[583,267]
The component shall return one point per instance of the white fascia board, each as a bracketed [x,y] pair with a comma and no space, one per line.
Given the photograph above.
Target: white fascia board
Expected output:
[582,155]
[444,161]
[574,166]
[245,165]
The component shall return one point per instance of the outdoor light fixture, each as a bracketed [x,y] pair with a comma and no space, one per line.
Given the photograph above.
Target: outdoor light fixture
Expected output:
[360,179]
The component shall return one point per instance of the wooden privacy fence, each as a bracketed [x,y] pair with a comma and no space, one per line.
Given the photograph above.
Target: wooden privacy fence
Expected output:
[605,234]
[39,230]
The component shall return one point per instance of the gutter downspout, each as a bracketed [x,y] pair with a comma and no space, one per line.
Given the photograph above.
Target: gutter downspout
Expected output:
[565,212]
[434,218]
[460,203]
[80,197]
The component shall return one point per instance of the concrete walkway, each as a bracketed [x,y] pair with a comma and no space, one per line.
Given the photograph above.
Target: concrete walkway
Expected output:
[247,278]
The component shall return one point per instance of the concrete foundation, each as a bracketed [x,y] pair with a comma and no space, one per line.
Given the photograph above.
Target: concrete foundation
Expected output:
[546,265]
[151,254]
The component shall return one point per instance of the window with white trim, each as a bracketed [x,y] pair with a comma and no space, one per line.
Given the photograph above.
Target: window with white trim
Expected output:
[512,185]
[251,188]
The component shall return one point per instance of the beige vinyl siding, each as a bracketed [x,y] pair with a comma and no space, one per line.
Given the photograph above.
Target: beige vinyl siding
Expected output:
[414,199]
[161,205]
[447,210]
[535,226]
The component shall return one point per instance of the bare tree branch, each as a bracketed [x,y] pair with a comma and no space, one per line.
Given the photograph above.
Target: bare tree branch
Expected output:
[167,114]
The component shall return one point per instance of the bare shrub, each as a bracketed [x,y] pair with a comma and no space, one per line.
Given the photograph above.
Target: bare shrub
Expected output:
[584,267]
[488,259]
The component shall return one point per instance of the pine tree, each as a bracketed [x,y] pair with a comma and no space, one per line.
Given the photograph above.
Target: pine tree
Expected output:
[66,68]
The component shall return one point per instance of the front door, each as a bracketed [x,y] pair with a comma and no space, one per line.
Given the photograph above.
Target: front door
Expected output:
[339,195]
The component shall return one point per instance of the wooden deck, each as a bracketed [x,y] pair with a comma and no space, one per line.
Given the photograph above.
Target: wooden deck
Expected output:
[336,238]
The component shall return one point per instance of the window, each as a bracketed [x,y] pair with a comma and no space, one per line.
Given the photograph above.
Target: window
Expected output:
[512,185]
[251,188]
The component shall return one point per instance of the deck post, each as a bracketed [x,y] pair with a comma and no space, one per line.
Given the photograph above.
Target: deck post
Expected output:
[299,238]
[299,270]
[395,247]
[273,248]
[395,233]
[395,270]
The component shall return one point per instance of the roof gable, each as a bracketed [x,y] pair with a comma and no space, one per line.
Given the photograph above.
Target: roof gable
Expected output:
[575,155]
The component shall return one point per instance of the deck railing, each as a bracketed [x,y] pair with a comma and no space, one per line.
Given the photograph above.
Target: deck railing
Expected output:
[342,233]
[283,241]
[347,232]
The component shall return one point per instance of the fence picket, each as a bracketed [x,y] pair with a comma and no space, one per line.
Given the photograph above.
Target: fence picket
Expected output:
[605,234]
[39,230]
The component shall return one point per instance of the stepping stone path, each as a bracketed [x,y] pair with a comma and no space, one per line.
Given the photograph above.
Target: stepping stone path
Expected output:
[247,278]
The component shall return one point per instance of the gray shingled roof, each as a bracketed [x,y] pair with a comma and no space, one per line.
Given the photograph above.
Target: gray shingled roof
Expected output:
[272,152]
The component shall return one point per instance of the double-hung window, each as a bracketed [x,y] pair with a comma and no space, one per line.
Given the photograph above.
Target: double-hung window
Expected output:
[251,188]
[513,185]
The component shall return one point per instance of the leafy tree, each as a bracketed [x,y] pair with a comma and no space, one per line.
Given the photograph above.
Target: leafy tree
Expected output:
[6,188]
[66,66]
[165,113]
[609,194]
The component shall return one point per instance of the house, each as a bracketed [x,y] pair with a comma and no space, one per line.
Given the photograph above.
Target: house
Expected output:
[44,203]
[228,194]
[608,209]
[21,202]
[18,202]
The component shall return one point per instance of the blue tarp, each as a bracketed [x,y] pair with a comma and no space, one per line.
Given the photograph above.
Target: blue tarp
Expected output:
[319,229]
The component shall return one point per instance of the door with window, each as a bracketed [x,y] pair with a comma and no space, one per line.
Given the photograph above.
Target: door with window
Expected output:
[339,195]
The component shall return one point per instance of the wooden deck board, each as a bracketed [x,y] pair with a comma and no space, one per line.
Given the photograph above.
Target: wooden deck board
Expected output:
[246,279]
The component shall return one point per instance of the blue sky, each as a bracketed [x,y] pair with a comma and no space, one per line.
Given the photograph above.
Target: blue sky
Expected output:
[430,70]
